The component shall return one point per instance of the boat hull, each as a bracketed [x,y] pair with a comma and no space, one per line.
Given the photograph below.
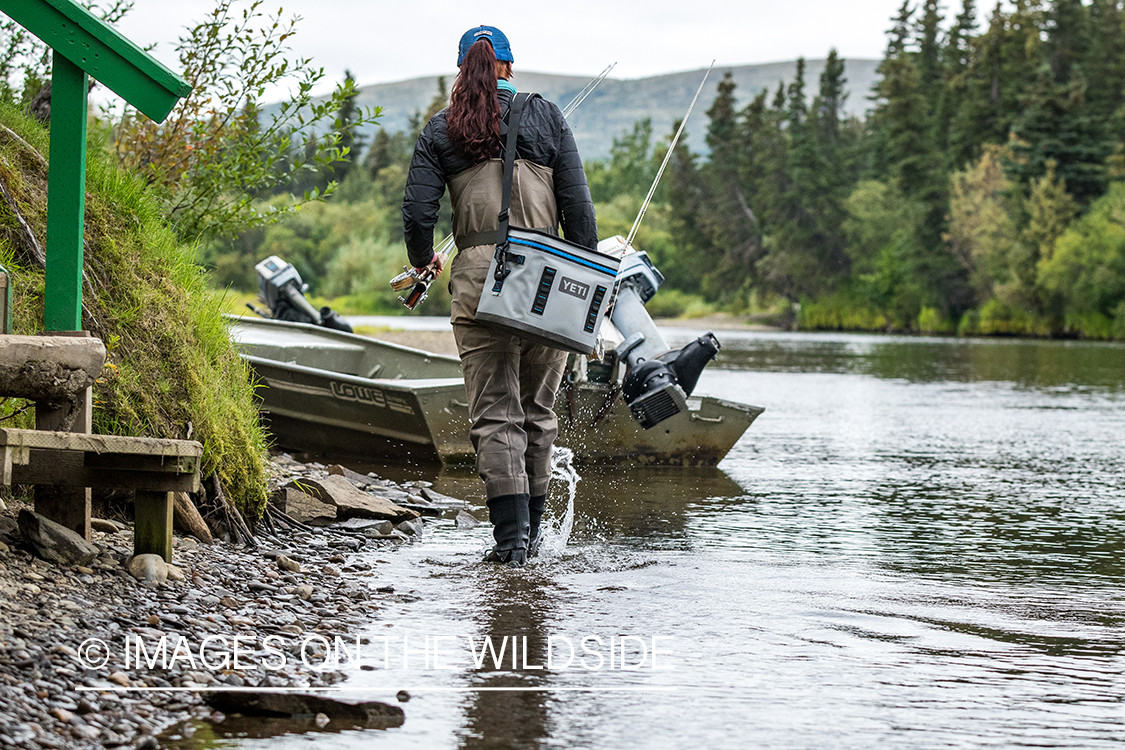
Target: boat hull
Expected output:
[315,398]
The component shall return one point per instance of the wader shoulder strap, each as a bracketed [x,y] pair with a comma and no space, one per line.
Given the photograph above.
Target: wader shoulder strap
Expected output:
[518,103]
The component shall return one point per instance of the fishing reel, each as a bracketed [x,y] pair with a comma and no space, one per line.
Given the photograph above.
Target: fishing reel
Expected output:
[659,380]
[281,289]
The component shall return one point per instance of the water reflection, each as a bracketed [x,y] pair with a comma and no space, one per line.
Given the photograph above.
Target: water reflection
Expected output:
[517,606]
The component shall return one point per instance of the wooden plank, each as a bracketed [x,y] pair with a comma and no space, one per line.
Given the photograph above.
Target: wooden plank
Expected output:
[152,533]
[73,441]
[132,462]
[51,468]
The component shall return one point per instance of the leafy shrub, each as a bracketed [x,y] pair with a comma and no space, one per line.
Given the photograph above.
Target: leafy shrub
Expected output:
[931,320]
[672,303]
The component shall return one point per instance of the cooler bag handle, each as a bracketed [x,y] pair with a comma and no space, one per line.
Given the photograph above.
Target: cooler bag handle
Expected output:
[506,192]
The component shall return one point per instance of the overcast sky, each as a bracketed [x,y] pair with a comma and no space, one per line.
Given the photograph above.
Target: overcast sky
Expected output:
[382,41]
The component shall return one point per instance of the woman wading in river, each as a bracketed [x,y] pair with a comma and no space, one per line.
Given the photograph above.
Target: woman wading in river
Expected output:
[510,381]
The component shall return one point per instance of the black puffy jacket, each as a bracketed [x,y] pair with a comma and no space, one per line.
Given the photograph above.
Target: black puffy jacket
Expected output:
[544,138]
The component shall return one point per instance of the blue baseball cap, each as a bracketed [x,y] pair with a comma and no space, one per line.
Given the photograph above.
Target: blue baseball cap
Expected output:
[495,37]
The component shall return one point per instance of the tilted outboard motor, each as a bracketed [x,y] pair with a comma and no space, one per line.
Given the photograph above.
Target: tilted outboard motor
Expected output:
[281,288]
[659,381]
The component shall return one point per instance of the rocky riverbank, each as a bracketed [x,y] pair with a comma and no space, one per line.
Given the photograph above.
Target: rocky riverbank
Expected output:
[90,656]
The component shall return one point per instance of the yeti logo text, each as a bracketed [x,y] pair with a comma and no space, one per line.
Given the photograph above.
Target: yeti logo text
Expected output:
[573,288]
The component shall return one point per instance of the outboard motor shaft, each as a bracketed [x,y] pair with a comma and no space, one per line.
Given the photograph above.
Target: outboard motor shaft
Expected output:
[659,381]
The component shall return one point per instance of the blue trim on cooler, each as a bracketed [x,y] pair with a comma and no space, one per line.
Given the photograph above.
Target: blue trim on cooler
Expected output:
[565,255]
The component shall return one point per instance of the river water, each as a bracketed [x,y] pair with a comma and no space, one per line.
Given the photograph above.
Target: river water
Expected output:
[918,544]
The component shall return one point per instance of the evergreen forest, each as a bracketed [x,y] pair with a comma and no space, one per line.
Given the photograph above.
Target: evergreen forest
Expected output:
[981,193]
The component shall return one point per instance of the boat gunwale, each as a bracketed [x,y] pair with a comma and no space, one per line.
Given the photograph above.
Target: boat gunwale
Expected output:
[333,333]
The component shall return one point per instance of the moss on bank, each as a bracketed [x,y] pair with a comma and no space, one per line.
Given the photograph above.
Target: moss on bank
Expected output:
[173,370]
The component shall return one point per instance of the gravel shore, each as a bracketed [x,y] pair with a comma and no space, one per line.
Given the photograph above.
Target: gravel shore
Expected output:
[69,674]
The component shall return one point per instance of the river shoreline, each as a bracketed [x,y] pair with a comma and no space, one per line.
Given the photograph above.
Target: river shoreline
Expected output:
[284,602]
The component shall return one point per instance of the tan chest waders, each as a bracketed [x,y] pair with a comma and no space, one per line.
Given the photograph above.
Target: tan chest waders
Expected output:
[542,287]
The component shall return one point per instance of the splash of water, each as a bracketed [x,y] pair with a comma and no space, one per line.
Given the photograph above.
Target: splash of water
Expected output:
[556,531]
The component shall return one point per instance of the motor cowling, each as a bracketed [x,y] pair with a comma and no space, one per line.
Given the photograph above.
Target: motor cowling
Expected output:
[281,288]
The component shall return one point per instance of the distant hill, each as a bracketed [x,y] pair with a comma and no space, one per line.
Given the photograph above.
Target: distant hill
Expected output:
[616,104]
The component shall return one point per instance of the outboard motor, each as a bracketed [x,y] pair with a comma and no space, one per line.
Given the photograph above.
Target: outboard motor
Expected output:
[281,288]
[659,380]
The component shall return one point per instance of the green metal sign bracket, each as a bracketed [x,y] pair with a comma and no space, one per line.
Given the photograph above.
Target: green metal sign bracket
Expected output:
[84,47]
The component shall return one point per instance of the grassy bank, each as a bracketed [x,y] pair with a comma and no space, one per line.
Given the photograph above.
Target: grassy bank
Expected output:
[172,371]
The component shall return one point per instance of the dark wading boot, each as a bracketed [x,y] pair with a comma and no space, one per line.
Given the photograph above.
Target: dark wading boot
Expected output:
[535,512]
[510,522]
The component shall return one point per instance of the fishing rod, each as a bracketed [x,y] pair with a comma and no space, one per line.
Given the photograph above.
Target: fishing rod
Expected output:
[421,280]
[667,158]
[581,96]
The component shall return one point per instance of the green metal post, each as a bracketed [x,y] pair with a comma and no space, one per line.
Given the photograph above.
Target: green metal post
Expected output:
[66,197]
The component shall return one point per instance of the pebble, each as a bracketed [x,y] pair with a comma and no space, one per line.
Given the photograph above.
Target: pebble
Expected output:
[148,568]
[285,563]
[85,732]
[104,526]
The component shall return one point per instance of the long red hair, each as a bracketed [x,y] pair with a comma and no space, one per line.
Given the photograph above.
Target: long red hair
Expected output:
[473,117]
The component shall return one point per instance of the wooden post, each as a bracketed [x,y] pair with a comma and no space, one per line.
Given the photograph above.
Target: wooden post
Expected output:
[152,532]
[70,506]
[66,196]
[5,301]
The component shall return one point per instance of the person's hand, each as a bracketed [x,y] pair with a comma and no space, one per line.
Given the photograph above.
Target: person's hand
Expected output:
[434,267]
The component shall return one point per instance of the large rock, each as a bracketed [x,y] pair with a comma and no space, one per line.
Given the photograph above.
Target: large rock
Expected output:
[352,476]
[353,503]
[55,542]
[301,506]
[371,714]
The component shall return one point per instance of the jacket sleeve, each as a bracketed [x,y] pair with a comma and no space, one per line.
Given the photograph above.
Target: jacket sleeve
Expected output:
[425,184]
[576,208]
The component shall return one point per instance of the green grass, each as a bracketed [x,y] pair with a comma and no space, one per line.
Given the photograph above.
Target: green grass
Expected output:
[172,367]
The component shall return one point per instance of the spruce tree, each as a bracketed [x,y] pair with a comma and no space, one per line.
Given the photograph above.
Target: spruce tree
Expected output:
[833,175]
[725,216]
[957,57]
[1057,123]
[1103,59]
[929,59]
